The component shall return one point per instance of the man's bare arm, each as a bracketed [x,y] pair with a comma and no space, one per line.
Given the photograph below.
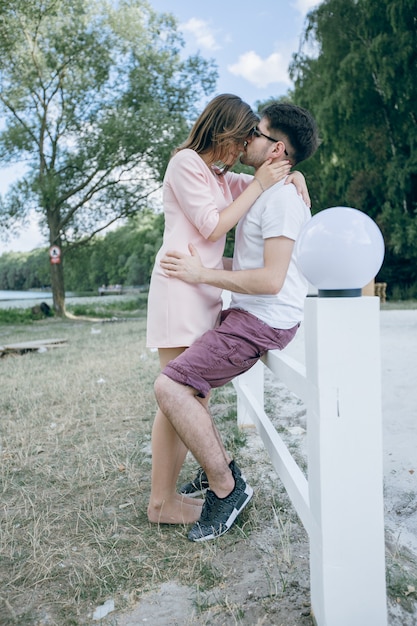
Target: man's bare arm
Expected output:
[264,280]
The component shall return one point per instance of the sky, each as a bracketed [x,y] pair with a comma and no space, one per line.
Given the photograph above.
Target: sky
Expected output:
[251,43]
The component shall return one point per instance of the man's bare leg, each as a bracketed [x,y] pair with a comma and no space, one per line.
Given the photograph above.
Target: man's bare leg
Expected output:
[194,426]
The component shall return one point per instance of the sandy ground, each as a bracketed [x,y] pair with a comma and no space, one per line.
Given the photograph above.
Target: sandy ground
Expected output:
[399,414]
[399,418]
[247,587]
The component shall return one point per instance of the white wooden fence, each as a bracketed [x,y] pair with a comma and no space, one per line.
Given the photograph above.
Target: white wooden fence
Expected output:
[341,503]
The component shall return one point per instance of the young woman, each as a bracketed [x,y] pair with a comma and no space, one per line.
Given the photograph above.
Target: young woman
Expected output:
[202,201]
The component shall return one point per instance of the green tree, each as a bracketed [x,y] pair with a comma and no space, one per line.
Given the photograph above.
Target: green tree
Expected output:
[125,255]
[357,73]
[94,95]
[26,270]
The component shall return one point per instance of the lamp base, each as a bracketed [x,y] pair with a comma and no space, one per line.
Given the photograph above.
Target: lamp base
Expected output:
[340,293]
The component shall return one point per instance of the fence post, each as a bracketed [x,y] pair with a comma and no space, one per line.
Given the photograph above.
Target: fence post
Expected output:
[345,473]
[253,379]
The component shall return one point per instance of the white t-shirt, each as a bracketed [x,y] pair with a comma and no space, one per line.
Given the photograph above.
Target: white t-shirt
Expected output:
[279,211]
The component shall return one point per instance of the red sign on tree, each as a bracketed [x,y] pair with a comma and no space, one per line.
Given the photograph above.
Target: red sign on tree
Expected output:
[55,254]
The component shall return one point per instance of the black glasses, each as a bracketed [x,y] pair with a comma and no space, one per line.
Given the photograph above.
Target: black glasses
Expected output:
[257,133]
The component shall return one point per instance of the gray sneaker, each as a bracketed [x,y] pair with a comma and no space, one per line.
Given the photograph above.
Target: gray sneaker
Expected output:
[196,487]
[219,514]
[200,484]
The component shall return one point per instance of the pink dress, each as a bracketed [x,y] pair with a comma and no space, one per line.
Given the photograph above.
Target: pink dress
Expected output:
[179,313]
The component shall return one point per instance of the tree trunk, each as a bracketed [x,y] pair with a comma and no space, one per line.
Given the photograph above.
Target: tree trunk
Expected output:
[57,283]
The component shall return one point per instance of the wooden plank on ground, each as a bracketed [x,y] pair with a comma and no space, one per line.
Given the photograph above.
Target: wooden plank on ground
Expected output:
[30,346]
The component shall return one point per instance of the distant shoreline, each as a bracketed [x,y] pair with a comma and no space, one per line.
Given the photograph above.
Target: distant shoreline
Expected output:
[13,299]
[10,294]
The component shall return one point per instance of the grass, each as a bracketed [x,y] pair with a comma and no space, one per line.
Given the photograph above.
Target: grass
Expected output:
[121,307]
[75,473]
[74,478]
[16,316]
[102,308]
[393,305]
[75,451]
[401,576]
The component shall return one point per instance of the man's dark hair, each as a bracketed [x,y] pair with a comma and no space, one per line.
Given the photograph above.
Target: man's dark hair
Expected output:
[297,125]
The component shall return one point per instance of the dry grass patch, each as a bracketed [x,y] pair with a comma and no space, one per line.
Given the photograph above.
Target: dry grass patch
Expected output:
[75,447]
[75,474]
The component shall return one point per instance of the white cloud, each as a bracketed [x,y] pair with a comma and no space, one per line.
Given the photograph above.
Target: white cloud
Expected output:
[202,33]
[304,6]
[261,72]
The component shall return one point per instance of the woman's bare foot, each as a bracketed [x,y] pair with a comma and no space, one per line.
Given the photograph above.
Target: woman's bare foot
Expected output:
[175,511]
[188,500]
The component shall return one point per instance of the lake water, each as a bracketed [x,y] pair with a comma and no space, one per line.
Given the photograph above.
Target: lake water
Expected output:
[25,299]
[24,295]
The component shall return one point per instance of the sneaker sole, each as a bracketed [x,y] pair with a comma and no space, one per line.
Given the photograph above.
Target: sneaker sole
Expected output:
[241,503]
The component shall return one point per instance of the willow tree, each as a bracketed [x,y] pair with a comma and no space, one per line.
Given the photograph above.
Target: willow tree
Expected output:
[357,72]
[94,95]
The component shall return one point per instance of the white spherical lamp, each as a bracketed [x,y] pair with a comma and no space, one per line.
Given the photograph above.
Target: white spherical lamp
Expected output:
[339,251]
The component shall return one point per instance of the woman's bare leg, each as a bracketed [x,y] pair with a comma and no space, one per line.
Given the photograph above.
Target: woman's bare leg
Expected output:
[166,506]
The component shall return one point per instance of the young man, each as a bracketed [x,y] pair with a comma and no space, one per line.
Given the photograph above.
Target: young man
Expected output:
[265,312]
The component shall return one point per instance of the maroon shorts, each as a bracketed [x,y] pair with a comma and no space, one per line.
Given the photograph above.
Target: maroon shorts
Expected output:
[225,352]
